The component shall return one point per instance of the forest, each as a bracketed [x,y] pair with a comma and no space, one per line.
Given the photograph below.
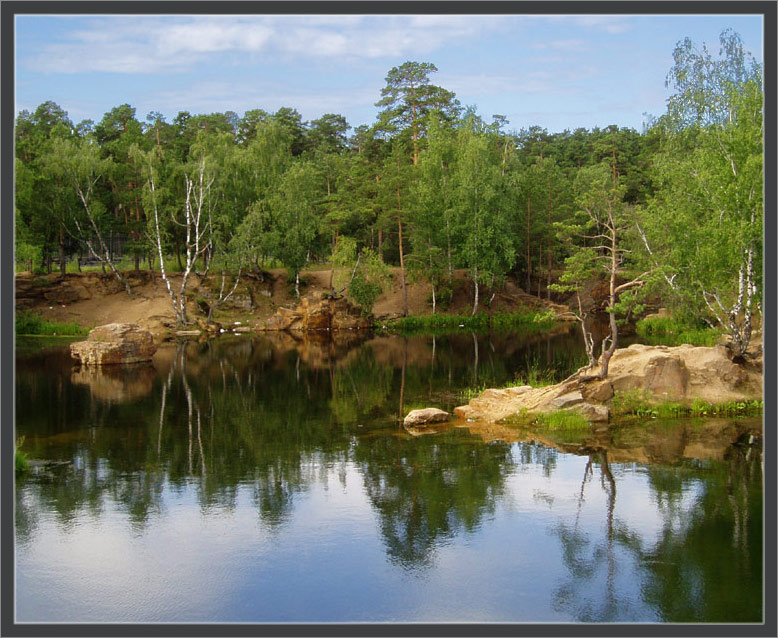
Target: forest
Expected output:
[673,212]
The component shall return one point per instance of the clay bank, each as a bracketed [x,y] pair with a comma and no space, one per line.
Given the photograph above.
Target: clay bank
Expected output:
[658,374]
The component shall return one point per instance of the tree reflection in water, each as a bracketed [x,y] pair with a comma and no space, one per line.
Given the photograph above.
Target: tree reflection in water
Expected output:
[270,422]
[706,565]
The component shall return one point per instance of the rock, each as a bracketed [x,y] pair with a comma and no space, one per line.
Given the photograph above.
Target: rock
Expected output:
[426,415]
[566,400]
[465,412]
[318,313]
[593,413]
[597,391]
[681,373]
[661,313]
[115,343]
[518,389]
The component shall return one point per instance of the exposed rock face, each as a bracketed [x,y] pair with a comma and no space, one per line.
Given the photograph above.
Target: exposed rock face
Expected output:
[115,343]
[426,415]
[316,312]
[682,373]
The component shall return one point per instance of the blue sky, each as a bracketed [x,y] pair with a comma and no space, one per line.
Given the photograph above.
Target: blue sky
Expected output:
[553,71]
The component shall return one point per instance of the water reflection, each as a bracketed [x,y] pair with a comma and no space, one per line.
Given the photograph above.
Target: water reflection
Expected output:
[643,521]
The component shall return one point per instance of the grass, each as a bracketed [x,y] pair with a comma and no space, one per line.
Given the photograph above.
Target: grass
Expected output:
[31,323]
[531,321]
[535,375]
[670,331]
[20,458]
[562,420]
[638,404]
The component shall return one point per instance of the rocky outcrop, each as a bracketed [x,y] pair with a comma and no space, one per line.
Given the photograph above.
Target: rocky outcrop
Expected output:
[115,343]
[317,312]
[658,373]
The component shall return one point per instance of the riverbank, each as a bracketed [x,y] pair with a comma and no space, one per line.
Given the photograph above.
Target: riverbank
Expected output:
[91,298]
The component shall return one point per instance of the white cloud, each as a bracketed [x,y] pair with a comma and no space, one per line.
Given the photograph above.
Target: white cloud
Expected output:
[144,44]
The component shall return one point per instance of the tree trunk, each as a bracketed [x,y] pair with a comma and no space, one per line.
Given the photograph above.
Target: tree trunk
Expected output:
[475,291]
[402,267]
[529,268]
[62,260]
[548,250]
[614,336]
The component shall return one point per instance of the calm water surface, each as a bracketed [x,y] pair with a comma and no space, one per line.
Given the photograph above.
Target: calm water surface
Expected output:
[268,480]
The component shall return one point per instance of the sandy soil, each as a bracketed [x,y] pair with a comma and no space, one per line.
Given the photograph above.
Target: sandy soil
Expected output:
[93,298]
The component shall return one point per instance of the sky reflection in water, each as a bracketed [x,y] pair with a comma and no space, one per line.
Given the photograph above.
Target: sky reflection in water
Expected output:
[292,495]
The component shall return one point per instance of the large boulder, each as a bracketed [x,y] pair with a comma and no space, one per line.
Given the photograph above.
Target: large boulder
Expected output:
[115,343]
[424,416]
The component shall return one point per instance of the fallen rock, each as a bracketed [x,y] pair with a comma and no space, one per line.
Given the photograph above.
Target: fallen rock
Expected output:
[425,415]
[115,343]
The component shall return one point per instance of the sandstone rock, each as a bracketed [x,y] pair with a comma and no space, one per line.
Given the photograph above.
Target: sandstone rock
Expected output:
[465,412]
[518,389]
[318,313]
[566,400]
[593,413]
[681,373]
[597,391]
[426,415]
[115,343]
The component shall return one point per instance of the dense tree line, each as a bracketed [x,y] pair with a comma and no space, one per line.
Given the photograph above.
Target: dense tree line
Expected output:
[431,187]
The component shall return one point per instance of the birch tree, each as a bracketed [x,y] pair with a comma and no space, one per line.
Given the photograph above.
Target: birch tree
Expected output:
[704,223]
[80,164]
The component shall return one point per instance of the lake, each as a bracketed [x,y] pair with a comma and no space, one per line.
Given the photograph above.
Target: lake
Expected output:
[264,479]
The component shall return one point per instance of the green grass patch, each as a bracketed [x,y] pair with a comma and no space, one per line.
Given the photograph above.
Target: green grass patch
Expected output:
[669,331]
[562,420]
[21,464]
[529,321]
[634,403]
[28,322]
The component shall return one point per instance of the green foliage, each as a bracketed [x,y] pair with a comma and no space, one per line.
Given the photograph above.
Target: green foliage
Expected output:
[640,404]
[530,321]
[561,420]
[670,331]
[28,322]
[21,464]
[371,279]
[704,222]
